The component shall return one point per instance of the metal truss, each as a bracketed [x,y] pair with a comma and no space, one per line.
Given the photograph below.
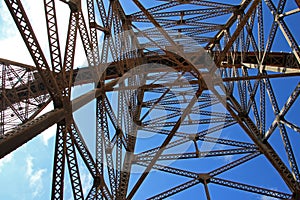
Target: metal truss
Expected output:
[184,88]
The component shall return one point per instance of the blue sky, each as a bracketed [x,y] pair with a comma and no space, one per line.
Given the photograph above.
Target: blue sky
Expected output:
[27,172]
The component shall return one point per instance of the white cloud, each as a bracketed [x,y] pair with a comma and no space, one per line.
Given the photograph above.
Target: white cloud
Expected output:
[29,165]
[48,134]
[228,158]
[267,198]
[14,50]
[10,38]
[262,197]
[36,181]
[34,176]
[6,21]
[4,161]
[15,47]
[17,51]
[86,179]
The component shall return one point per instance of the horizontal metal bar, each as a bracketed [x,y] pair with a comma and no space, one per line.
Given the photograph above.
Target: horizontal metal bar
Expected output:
[25,132]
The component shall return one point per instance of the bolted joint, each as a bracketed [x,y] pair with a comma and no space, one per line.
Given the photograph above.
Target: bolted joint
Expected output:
[276,18]
[242,115]
[133,158]
[180,22]
[75,5]
[109,150]
[279,118]
[238,12]
[193,137]
[129,17]
[67,105]
[204,178]
[127,20]
[62,123]
[97,181]
[138,122]
[296,195]
[58,103]
[105,30]
[118,132]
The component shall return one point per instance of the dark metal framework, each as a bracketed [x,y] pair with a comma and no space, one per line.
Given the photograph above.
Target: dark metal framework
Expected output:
[169,99]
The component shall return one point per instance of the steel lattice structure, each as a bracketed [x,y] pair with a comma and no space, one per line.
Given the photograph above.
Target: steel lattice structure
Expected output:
[181,98]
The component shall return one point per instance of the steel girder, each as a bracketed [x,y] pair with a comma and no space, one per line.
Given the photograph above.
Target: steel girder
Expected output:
[245,63]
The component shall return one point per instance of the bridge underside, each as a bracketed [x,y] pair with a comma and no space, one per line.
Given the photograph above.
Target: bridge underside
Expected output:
[202,82]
